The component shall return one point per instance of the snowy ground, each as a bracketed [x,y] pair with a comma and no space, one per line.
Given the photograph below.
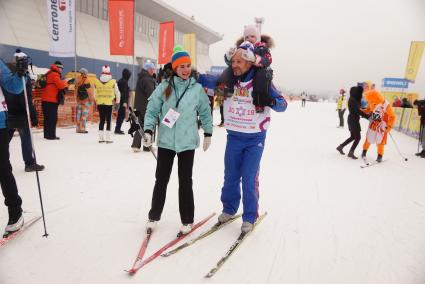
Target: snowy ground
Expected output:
[329,221]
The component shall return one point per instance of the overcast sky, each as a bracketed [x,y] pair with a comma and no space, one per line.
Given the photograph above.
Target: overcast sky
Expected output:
[322,45]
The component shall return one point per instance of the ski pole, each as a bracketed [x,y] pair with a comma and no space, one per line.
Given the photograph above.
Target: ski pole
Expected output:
[141,131]
[35,158]
[398,150]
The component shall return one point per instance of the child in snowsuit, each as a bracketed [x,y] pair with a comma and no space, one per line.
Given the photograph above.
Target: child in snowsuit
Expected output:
[381,120]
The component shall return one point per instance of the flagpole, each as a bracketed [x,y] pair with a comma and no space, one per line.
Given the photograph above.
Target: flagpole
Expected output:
[134,42]
[75,52]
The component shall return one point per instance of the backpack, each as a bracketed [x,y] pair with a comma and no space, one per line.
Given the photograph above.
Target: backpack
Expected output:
[82,93]
[42,81]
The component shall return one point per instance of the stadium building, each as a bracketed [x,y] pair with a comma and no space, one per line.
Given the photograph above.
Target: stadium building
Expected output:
[23,24]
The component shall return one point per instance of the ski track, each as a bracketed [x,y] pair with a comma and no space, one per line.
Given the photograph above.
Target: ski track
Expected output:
[329,221]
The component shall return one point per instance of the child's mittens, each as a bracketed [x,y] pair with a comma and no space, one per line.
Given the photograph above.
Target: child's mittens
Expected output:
[257,62]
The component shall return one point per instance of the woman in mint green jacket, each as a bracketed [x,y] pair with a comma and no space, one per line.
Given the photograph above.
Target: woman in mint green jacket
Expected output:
[177,103]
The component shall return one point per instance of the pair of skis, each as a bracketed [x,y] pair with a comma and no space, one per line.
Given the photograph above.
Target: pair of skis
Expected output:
[7,237]
[139,263]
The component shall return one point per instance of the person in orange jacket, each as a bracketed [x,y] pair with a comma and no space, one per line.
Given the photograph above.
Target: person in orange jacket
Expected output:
[381,121]
[50,99]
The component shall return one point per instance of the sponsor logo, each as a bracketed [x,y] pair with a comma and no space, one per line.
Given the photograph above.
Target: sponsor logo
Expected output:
[62,5]
[121,18]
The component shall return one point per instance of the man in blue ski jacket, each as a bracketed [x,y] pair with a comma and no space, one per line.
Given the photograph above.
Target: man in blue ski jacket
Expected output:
[246,135]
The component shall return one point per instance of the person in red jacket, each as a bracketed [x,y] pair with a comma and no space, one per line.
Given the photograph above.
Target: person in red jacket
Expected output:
[50,101]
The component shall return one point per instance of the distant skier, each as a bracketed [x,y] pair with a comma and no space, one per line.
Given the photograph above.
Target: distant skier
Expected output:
[303,97]
[354,107]
[246,135]
[341,106]
[381,120]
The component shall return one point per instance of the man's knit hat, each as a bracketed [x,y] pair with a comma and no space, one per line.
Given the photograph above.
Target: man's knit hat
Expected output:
[149,65]
[19,54]
[247,51]
[58,64]
[84,71]
[251,30]
[106,70]
[180,56]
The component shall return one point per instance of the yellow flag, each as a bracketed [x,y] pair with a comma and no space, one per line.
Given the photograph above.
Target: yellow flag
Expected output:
[189,44]
[414,61]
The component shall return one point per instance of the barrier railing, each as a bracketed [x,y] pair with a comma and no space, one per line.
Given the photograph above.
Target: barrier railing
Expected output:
[408,121]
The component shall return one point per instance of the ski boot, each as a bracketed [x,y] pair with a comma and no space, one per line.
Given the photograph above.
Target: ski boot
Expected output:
[247,227]
[379,158]
[185,228]
[224,217]
[101,136]
[108,139]
[151,225]
[16,221]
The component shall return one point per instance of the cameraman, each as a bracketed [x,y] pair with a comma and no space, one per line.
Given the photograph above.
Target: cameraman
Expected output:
[17,113]
[421,111]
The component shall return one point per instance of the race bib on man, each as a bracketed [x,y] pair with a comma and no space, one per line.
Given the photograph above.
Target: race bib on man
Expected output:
[239,111]
[170,118]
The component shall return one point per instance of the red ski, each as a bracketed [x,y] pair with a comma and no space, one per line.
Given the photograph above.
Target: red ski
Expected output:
[13,235]
[139,263]
[142,249]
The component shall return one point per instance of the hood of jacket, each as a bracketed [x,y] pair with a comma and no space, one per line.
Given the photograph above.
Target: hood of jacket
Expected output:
[356,93]
[55,68]
[126,74]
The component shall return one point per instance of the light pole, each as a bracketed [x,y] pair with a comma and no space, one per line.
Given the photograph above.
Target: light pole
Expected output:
[258,22]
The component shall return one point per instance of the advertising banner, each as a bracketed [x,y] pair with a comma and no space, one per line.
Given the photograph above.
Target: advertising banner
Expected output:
[61,21]
[166,42]
[121,27]
[189,43]
[414,61]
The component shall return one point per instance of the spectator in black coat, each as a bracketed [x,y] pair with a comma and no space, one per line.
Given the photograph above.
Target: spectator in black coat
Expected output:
[146,84]
[354,108]
[405,103]
[125,93]
[421,112]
